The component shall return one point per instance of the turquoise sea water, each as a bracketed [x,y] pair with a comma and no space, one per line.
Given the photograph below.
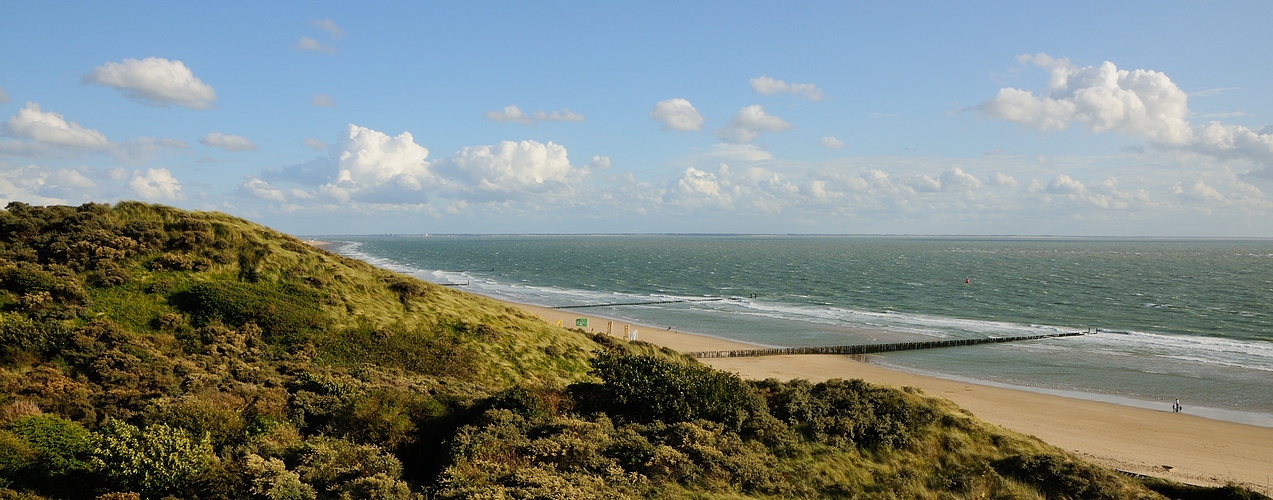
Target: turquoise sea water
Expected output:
[1177,319]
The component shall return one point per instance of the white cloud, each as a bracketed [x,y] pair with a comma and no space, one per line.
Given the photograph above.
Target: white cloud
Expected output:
[370,160]
[155,81]
[1002,179]
[1064,184]
[749,123]
[565,115]
[314,144]
[1212,91]
[1236,142]
[1141,102]
[52,129]
[956,179]
[155,184]
[510,113]
[677,114]
[831,142]
[512,167]
[311,45]
[322,101]
[45,186]
[738,153]
[769,86]
[513,114]
[330,27]
[4,96]
[1103,97]
[231,143]
[599,163]
[257,188]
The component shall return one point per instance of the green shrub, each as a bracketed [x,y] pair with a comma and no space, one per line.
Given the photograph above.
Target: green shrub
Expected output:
[1061,477]
[285,316]
[330,465]
[62,446]
[154,461]
[271,480]
[644,388]
[847,411]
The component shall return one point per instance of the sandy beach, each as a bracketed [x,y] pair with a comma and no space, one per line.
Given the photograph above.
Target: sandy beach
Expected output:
[1176,446]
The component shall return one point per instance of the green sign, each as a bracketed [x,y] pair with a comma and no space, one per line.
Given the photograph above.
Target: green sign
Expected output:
[581,321]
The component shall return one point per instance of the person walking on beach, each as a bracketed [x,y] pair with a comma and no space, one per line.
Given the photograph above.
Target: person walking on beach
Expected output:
[1176,407]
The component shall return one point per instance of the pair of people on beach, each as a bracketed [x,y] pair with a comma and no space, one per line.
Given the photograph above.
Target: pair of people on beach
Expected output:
[1175,407]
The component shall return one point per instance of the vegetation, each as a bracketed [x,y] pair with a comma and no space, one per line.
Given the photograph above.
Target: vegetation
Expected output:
[148,352]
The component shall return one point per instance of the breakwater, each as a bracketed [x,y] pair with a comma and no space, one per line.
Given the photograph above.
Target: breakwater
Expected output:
[872,348]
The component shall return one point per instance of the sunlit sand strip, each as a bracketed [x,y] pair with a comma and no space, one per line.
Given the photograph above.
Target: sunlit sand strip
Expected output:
[1176,446]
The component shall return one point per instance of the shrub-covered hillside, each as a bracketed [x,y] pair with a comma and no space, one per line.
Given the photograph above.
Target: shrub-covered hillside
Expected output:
[149,352]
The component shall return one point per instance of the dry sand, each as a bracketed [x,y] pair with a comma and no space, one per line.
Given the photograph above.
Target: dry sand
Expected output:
[1176,446]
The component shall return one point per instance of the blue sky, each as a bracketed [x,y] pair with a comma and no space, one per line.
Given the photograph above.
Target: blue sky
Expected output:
[1134,119]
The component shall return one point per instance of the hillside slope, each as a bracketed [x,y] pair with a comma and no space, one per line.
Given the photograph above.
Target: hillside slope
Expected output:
[148,352]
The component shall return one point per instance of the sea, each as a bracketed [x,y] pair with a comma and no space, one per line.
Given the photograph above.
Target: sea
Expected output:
[1169,319]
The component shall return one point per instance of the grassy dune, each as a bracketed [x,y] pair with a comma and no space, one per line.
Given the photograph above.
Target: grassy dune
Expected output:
[151,352]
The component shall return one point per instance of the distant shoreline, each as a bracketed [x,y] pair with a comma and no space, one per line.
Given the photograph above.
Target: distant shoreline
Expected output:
[1195,449]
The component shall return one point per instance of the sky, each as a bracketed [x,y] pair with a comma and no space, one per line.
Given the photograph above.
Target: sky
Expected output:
[972,118]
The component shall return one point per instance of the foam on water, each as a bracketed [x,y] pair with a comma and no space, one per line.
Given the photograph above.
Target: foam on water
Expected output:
[1218,355]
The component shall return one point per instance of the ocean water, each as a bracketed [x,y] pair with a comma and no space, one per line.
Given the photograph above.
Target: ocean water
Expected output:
[1175,319]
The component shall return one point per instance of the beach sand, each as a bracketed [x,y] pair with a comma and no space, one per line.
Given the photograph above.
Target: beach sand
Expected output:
[1175,446]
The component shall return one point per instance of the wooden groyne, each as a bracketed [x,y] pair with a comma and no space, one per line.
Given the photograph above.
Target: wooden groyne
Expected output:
[871,348]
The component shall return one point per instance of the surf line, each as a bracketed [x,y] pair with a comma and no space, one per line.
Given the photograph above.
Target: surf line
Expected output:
[871,348]
[637,303]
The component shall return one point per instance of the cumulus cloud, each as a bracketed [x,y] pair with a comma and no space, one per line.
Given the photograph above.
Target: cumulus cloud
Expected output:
[512,168]
[513,114]
[1103,97]
[1002,179]
[41,132]
[308,44]
[155,184]
[4,96]
[510,113]
[370,159]
[46,186]
[599,163]
[52,129]
[314,144]
[330,27]
[677,114]
[322,101]
[368,167]
[749,123]
[830,142]
[257,188]
[956,179]
[231,143]
[769,86]
[1139,102]
[155,81]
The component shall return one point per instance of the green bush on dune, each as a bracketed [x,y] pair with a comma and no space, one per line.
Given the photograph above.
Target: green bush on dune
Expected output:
[147,352]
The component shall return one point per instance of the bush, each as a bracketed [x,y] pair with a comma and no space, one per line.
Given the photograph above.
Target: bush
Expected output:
[1058,476]
[645,388]
[61,445]
[154,461]
[847,411]
[285,316]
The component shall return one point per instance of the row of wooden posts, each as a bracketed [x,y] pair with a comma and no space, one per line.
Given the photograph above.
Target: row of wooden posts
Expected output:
[871,348]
